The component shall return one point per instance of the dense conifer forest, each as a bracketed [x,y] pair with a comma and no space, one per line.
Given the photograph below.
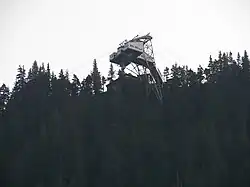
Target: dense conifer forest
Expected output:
[56,131]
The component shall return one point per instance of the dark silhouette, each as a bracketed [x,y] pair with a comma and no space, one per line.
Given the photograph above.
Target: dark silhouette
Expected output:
[60,132]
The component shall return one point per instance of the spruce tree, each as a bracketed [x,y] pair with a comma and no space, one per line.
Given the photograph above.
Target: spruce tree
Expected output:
[111,73]
[103,83]
[33,72]
[48,71]
[4,97]
[61,75]
[88,85]
[166,74]
[96,78]
[246,66]
[200,74]
[42,69]
[238,60]
[75,86]
[20,79]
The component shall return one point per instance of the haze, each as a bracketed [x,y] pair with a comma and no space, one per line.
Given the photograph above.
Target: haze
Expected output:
[70,34]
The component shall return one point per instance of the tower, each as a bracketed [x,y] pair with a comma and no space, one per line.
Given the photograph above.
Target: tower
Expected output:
[136,56]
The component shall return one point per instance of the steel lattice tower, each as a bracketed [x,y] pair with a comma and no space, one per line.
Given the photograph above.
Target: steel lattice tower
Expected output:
[136,56]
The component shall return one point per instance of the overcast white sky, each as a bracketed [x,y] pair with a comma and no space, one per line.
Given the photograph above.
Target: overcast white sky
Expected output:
[70,34]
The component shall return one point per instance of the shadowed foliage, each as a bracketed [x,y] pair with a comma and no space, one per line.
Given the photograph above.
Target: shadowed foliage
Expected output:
[58,132]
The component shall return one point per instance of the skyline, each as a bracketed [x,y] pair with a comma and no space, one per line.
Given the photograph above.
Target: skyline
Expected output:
[71,34]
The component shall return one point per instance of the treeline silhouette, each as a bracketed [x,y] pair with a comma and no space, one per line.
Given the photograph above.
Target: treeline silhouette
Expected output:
[59,132]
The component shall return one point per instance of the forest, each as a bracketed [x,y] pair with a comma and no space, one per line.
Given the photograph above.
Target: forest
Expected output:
[58,131]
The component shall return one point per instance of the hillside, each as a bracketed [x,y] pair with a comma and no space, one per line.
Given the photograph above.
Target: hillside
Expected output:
[59,132]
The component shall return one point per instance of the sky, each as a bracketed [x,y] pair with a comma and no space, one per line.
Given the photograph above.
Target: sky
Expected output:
[71,34]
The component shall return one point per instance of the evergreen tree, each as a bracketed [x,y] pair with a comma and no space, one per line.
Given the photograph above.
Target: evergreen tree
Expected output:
[212,70]
[75,86]
[61,75]
[191,78]
[88,85]
[230,58]
[96,78]
[219,63]
[225,60]
[238,60]
[198,137]
[200,75]
[111,73]
[48,70]
[67,75]
[53,76]
[246,66]
[42,69]
[20,80]
[48,79]
[166,74]
[63,83]
[103,83]
[82,87]
[33,72]
[175,75]
[4,97]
